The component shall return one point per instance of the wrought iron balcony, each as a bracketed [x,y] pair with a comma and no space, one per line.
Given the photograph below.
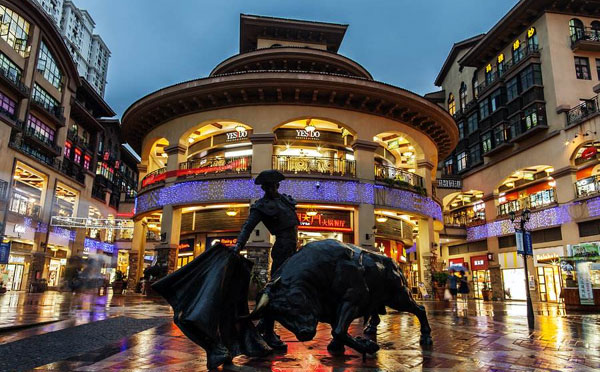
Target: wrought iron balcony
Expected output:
[314,165]
[13,77]
[496,75]
[583,111]
[42,140]
[585,39]
[70,169]
[214,165]
[400,178]
[55,112]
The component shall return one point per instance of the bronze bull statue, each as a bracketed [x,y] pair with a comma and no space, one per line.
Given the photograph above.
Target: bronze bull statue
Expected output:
[325,281]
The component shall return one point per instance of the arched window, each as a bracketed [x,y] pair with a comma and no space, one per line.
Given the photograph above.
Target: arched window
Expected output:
[451,104]
[596,30]
[462,97]
[576,29]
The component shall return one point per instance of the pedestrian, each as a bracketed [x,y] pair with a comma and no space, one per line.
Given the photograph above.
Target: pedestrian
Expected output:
[453,284]
[463,287]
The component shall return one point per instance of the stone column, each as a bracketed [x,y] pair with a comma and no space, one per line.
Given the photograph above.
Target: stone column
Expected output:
[170,229]
[565,192]
[262,143]
[424,169]
[364,157]
[177,154]
[425,242]
[136,255]
[259,243]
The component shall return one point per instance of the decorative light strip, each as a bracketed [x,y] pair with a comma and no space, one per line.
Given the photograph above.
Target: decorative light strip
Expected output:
[332,191]
[92,245]
[555,216]
[65,233]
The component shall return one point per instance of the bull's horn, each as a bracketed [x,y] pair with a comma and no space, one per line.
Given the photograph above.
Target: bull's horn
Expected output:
[260,307]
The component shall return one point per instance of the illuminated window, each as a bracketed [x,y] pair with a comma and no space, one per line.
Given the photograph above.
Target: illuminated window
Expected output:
[48,67]
[451,104]
[40,130]
[77,158]
[517,53]
[14,29]
[86,162]
[462,97]
[595,32]
[486,142]
[532,39]
[582,68]
[449,167]
[461,161]
[7,105]
[67,152]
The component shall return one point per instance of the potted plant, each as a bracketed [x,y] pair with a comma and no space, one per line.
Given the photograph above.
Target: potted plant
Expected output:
[117,284]
[486,292]
[439,280]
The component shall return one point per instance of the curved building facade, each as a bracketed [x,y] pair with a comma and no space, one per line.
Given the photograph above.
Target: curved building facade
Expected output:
[359,155]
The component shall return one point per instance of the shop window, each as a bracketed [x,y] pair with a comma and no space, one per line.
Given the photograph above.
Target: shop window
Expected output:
[582,68]
[14,29]
[512,89]
[546,235]
[472,123]
[451,104]
[11,70]
[507,241]
[7,105]
[484,108]
[486,142]
[48,67]
[531,76]
[27,191]
[65,201]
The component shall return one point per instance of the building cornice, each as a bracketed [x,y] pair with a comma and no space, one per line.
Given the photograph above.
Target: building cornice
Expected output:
[263,138]
[364,145]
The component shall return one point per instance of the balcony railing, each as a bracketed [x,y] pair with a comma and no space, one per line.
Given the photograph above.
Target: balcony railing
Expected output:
[42,140]
[18,143]
[55,111]
[496,74]
[214,165]
[14,77]
[583,111]
[154,177]
[98,191]
[398,177]
[584,35]
[314,165]
[538,200]
[587,186]
[72,170]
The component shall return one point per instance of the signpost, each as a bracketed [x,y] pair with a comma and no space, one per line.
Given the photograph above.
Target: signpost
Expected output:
[524,248]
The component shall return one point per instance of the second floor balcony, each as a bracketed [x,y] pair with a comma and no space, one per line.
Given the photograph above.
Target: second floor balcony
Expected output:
[204,167]
[315,166]
[587,186]
[42,141]
[538,200]
[55,112]
[587,109]
[399,178]
[587,39]
[13,77]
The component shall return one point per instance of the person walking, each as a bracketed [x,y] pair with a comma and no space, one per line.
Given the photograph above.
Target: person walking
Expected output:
[463,287]
[453,284]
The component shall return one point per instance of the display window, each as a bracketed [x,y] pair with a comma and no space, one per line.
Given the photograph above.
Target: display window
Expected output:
[56,271]
[549,283]
[12,274]
[65,201]
[514,284]
[28,191]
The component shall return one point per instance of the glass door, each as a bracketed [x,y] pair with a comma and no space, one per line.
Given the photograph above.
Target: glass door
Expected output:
[17,278]
[481,279]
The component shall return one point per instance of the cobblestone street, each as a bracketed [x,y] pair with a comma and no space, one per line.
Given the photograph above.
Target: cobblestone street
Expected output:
[100,333]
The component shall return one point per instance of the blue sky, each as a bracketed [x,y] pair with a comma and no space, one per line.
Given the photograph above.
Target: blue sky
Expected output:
[155,43]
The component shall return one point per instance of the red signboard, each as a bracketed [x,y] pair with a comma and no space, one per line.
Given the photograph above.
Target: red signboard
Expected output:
[339,221]
[589,153]
[479,262]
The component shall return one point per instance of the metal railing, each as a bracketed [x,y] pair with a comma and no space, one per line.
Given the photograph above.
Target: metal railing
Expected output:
[584,34]
[314,165]
[56,111]
[582,111]
[154,177]
[14,76]
[383,173]
[587,186]
[71,169]
[40,138]
[496,74]
[214,165]
[538,200]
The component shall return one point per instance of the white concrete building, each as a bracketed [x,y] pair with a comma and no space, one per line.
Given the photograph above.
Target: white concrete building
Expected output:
[88,50]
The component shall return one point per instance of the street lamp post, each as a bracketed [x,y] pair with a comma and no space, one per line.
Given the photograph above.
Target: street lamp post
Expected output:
[520,226]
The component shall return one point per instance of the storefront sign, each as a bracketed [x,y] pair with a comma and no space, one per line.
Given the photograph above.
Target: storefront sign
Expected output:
[479,263]
[546,256]
[228,241]
[583,250]
[4,252]
[584,281]
[589,153]
[447,183]
[19,229]
[236,136]
[16,259]
[326,221]
[305,134]
[186,245]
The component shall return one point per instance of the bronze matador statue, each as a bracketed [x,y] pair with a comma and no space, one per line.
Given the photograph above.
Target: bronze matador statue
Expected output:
[278,213]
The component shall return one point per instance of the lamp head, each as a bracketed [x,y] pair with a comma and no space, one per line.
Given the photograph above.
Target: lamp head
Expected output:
[526,214]
[512,216]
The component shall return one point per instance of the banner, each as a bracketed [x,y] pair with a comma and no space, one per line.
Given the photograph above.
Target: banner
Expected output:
[584,281]
[4,252]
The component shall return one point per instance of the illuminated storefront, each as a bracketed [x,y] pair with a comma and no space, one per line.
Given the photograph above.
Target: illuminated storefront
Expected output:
[14,272]
[513,276]
[481,275]
[547,264]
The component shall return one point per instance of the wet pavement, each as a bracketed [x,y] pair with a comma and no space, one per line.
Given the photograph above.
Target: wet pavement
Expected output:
[476,336]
